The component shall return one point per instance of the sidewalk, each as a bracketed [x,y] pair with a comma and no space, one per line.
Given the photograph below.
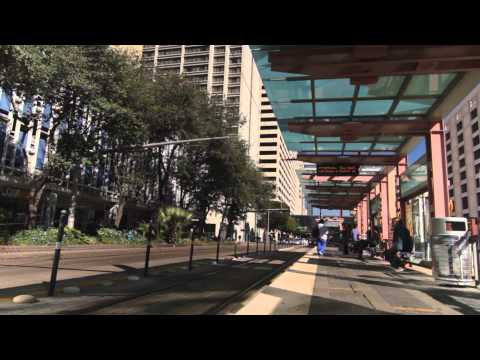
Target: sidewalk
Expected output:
[343,285]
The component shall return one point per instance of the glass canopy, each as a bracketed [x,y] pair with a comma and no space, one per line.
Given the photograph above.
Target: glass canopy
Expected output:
[299,98]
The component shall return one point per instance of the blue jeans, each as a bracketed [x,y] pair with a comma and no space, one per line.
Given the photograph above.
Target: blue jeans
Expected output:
[321,245]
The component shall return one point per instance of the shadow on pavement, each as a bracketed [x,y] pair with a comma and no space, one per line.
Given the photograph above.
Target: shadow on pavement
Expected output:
[464,300]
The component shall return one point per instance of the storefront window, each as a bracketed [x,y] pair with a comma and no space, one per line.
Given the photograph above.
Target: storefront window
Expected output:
[418,223]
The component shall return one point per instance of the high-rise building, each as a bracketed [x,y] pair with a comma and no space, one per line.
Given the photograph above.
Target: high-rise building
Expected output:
[462,140]
[277,163]
[227,72]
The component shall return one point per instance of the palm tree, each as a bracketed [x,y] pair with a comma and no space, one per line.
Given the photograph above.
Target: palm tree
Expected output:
[171,220]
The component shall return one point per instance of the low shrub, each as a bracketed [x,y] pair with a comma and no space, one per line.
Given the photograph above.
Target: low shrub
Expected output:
[39,236]
[114,236]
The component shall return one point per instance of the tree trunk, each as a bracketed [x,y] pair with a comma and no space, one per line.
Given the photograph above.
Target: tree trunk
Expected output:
[34,199]
[222,224]
[74,198]
[121,208]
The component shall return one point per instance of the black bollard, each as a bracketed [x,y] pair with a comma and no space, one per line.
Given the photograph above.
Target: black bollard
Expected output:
[218,249]
[147,258]
[58,249]
[248,243]
[190,262]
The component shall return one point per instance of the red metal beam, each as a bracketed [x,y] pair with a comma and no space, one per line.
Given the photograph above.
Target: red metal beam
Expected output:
[367,127]
[361,61]
[348,160]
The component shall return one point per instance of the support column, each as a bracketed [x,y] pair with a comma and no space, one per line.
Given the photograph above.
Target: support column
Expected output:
[437,171]
[359,217]
[400,169]
[366,214]
[384,209]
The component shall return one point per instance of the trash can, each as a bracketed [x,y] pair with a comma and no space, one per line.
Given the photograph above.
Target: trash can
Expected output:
[452,256]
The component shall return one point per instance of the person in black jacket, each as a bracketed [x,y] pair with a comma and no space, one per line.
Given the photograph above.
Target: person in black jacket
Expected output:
[402,242]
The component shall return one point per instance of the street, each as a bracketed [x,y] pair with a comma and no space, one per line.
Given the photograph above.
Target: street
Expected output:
[28,268]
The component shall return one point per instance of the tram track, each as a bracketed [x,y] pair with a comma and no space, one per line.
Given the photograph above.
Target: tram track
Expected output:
[106,306]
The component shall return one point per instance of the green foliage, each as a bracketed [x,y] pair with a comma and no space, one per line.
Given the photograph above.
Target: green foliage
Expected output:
[114,236]
[172,222]
[39,236]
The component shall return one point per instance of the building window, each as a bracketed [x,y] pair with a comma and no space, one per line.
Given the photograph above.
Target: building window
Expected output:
[477,168]
[42,149]
[462,163]
[268,169]
[459,126]
[450,192]
[449,147]
[447,136]
[268,144]
[268,136]
[476,154]
[460,138]
[475,126]
[4,103]
[461,150]
[477,182]
[273,127]
[450,170]
[476,140]
[464,188]
[463,175]
[473,114]
[449,158]
[478,199]
[465,203]
[268,161]
[268,153]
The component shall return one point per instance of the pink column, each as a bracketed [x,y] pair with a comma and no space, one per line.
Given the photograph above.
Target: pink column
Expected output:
[437,171]
[359,217]
[384,206]
[400,169]
[366,215]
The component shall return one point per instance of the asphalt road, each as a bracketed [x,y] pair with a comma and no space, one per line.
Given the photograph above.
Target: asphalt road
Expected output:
[20,269]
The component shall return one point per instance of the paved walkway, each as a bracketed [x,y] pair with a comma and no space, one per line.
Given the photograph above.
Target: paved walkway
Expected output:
[343,285]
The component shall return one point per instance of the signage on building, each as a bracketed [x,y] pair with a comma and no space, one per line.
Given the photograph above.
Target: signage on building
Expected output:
[337,170]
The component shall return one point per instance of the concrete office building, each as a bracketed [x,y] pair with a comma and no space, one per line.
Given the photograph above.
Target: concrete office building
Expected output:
[275,161]
[229,74]
[462,139]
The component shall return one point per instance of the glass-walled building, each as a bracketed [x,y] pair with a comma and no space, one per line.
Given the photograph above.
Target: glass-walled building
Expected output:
[415,206]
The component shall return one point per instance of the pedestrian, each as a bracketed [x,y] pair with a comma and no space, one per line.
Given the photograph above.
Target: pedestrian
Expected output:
[402,243]
[346,234]
[321,237]
[358,244]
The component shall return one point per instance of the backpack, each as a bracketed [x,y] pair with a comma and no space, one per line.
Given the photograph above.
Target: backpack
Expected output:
[315,232]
